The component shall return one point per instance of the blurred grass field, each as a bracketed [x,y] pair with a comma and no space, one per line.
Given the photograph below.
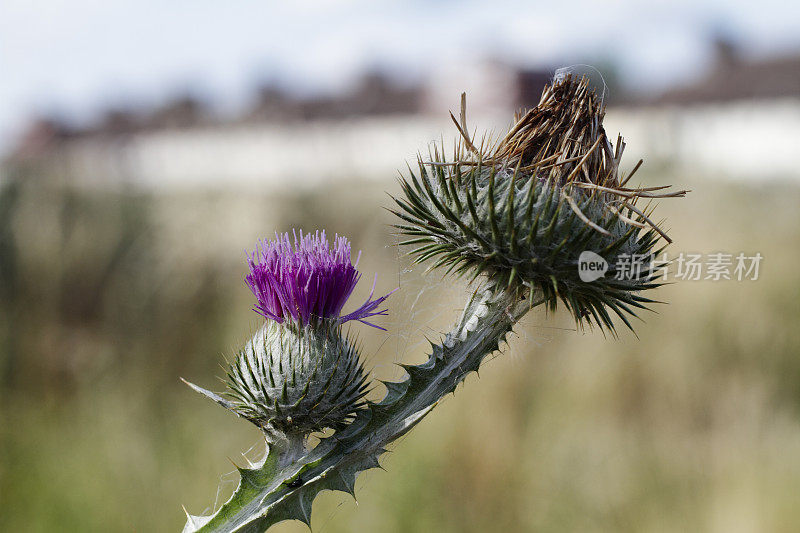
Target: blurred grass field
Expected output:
[106,299]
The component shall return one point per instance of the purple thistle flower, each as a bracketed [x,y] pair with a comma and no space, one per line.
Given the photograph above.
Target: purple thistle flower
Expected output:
[308,281]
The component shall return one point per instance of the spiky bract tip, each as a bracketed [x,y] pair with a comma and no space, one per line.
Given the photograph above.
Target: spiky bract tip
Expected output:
[524,208]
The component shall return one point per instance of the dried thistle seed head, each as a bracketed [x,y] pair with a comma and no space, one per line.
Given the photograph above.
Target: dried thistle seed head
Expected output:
[523,209]
[296,381]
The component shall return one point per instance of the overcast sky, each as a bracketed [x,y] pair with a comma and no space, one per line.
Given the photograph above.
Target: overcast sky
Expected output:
[76,57]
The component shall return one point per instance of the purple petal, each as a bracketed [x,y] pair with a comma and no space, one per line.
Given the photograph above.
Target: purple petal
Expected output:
[308,281]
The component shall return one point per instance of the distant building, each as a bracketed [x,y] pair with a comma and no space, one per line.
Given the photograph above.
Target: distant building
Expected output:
[741,120]
[186,111]
[374,95]
[41,136]
[733,77]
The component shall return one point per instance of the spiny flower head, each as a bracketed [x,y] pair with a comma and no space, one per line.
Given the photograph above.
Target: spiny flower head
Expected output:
[307,282]
[295,381]
[302,381]
[523,209]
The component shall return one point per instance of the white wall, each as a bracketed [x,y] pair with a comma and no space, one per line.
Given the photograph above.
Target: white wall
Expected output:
[749,140]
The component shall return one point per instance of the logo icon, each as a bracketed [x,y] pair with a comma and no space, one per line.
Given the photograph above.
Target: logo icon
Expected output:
[591,266]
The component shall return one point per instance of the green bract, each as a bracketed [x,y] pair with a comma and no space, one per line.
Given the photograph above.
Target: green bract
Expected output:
[295,381]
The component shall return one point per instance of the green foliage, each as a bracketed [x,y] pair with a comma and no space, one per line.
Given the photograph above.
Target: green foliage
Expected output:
[694,427]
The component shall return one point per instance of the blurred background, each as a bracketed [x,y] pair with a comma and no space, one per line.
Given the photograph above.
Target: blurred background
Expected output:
[144,146]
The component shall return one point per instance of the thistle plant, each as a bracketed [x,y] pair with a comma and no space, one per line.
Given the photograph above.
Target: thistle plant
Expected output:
[514,215]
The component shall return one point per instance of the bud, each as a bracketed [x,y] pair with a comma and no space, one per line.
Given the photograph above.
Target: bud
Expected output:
[297,381]
[523,209]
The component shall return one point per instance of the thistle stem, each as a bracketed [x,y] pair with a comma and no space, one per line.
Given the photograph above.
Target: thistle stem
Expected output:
[290,446]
